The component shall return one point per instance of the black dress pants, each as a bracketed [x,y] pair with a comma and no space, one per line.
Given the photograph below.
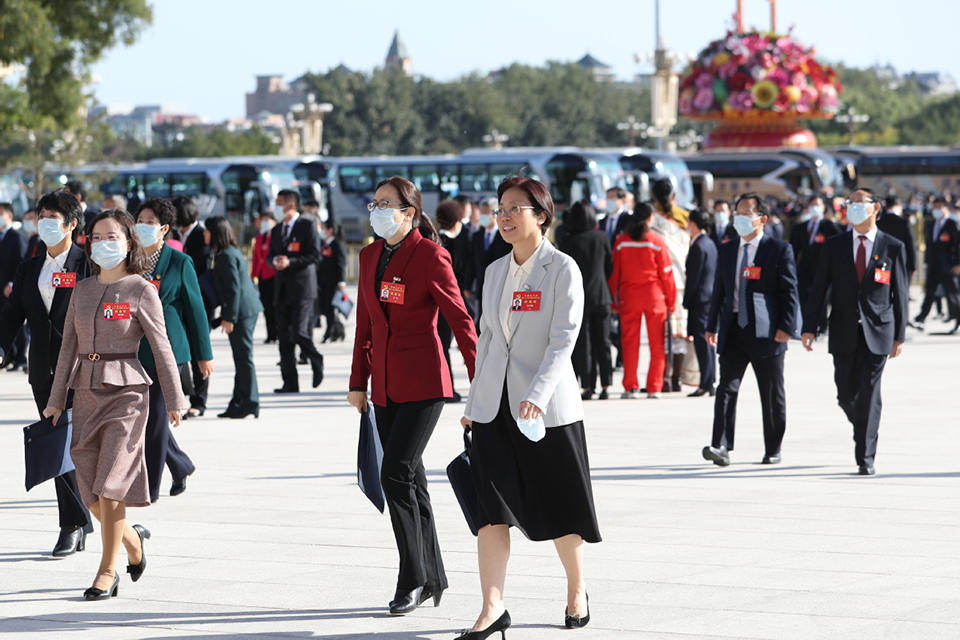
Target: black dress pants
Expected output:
[266,299]
[246,395]
[706,355]
[858,392]
[592,351]
[773,399]
[159,446]
[405,429]
[948,281]
[73,513]
[294,327]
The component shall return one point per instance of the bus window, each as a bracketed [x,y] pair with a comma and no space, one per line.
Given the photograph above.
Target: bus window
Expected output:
[356,179]
[449,180]
[426,177]
[187,184]
[386,171]
[800,181]
[474,177]
[498,172]
[156,185]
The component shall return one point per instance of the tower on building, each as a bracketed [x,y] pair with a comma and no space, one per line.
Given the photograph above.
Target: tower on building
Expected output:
[397,55]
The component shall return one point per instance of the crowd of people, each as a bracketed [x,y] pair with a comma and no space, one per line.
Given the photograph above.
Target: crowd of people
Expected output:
[536,323]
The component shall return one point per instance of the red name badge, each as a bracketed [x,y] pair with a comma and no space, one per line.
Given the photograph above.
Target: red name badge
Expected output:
[116,310]
[326,252]
[526,301]
[751,273]
[156,283]
[881,276]
[64,280]
[293,247]
[819,238]
[944,237]
[392,292]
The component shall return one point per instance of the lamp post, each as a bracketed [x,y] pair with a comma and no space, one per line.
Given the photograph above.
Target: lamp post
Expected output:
[495,139]
[632,129]
[853,120]
[303,127]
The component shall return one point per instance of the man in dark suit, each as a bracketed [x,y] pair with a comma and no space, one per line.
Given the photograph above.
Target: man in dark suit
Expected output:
[942,260]
[13,251]
[486,247]
[755,310]
[617,215]
[807,240]
[294,253]
[191,235]
[722,230]
[867,270]
[892,223]
[35,299]
[701,270]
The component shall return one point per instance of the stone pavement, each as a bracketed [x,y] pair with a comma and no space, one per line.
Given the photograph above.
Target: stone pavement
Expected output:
[273,539]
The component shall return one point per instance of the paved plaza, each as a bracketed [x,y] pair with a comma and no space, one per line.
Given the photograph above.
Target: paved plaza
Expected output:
[273,538]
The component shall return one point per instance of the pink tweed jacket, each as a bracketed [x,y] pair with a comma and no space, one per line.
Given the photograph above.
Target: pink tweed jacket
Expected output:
[87,334]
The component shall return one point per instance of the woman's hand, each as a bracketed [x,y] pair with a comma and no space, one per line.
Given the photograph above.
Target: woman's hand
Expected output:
[358,399]
[466,423]
[529,411]
[227,327]
[175,417]
[206,368]
[52,412]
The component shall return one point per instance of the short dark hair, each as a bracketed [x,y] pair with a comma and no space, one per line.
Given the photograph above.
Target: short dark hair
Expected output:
[136,261]
[538,193]
[892,200]
[463,200]
[663,191]
[290,195]
[873,197]
[449,213]
[580,217]
[187,211]
[76,188]
[762,207]
[639,223]
[221,233]
[310,203]
[717,203]
[8,207]
[64,203]
[620,192]
[702,218]
[162,208]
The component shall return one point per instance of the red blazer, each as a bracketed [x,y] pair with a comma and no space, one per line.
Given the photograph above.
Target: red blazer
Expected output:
[260,268]
[397,344]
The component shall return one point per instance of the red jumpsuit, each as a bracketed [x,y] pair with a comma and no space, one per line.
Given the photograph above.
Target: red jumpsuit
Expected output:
[642,285]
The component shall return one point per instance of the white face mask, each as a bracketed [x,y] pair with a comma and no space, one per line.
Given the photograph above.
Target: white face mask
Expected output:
[149,234]
[857,213]
[937,214]
[51,232]
[612,206]
[265,226]
[721,217]
[383,223]
[743,225]
[107,254]
[485,220]
[816,212]
[278,212]
[28,226]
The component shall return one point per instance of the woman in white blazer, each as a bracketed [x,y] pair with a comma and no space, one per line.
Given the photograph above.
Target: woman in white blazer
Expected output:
[529,454]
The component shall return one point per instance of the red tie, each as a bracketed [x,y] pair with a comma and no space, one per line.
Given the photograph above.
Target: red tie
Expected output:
[861,259]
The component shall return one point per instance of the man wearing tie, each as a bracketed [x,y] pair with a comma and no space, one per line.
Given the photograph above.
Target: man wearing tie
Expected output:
[294,253]
[486,247]
[723,231]
[942,260]
[807,241]
[754,312]
[701,270]
[867,270]
[616,220]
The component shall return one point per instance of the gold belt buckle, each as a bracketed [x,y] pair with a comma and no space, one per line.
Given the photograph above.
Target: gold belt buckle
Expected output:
[93,356]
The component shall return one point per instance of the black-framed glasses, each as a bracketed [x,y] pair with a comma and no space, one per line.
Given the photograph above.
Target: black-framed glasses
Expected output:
[512,211]
[383,205]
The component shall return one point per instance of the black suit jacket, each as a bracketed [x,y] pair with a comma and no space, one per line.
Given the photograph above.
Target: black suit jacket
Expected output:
[701,269]
[333,266]
[807,253]
[46,329]
[35,247]
[592,253]
[459,249]
[482,257]
[729,233]
[299,280]
[943,251]
[881,309]
[898,227]
[772,301]
[13,249]
[622,222]
[196,248]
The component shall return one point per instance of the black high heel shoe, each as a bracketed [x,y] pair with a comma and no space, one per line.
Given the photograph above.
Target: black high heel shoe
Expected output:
[405,601]
[136,570]
[501,624]
[99,594]
[576,622]
[426,595]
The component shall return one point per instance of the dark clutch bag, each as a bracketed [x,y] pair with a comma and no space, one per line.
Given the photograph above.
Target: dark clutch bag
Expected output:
[369,459]
[47,449]
[458,472]
[342,303]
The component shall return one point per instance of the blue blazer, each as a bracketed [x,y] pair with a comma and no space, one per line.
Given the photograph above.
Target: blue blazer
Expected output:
[772,301]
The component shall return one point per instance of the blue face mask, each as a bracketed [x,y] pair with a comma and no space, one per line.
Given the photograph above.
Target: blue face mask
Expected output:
[857,213]
[533,428]
[107,254]
[721,217]
[51,232]
[937,214]
[383,223]
[149,234]
[743,225]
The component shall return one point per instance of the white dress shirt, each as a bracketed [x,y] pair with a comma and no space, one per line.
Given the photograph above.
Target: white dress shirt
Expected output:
[517,276]
[751,256]
[871,237]
[812,228]
[288,227]
[45,282]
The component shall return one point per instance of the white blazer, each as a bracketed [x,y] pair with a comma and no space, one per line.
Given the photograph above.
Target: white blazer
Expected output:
[536,364]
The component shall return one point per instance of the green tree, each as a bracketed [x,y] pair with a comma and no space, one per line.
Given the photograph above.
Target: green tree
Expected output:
[215,143]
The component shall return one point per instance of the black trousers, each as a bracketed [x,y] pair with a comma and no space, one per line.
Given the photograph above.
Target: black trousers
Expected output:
[446,339]
[246,395]
[706,355]
[294,327]
[950,289]
[159,446]
[405,429]
[266,299]
[73,513]
[773,399]
[592,351]
[858,392]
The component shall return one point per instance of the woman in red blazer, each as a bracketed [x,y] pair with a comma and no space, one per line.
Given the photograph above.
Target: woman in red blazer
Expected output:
[263,273]
[404,281]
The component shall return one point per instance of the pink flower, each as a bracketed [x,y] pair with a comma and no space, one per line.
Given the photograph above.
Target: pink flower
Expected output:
[780,76]
[686,103]
[758,73]
[755,43]
[799,80]
[704,99]
[803,104]
[704,81]
[741,101]
[828,98]
[810,93]
[727,70]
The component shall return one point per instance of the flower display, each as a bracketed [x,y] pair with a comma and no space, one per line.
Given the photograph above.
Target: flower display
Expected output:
[758,74]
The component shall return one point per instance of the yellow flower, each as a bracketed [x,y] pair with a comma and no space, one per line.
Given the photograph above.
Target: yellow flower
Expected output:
[792,93]
[721,58]
[765,94]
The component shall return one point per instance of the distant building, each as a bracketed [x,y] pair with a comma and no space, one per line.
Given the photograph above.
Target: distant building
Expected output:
[398,57]
[138,122]
[601,72]
[933,84]
[274,96]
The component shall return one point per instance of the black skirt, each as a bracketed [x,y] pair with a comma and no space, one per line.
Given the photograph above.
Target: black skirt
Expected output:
[542,488]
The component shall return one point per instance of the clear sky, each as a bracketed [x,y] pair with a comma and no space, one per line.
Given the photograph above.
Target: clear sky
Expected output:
[204,54]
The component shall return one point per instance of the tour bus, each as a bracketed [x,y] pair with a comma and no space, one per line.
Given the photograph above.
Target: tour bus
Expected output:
[781,173]
[642,167]
[570,172]
[14,191]
[906,170]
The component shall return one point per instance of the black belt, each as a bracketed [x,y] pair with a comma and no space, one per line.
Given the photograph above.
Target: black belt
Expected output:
[95,357]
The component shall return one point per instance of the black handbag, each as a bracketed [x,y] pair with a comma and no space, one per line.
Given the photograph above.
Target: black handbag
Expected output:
[46,449]
[458,472]
[370,458]
[209,289]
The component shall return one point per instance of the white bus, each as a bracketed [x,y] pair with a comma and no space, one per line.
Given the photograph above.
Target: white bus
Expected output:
[642,167]
[905,170]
